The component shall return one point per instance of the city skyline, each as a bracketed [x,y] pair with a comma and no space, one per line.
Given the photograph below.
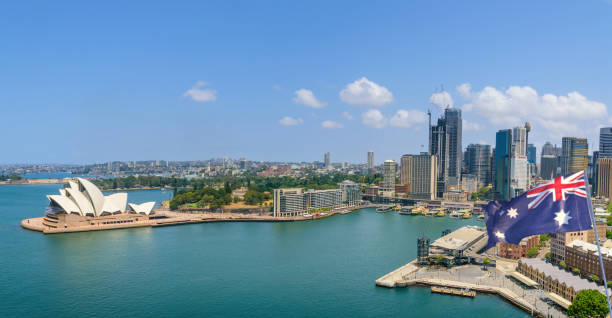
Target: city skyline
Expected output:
[219,81]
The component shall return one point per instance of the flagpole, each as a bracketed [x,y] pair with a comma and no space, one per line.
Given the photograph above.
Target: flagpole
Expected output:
[592,215]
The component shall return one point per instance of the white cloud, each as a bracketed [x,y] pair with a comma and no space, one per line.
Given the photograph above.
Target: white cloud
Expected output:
[558,115]
[198,94]
[470,125]
[363,92]
[306,97]
[290,121]
[347,115]
[465,90]
[329,124]
[374,118]
[442,100]
[407,118]
[276,87]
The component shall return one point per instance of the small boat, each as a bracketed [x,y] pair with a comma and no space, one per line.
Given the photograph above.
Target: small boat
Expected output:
[466,215]
[307,215]
[454,214]
[441,213]
[481,217]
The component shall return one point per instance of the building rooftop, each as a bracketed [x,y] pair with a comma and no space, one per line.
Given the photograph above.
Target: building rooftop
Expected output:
[459,239]
[561,275]
[607,252]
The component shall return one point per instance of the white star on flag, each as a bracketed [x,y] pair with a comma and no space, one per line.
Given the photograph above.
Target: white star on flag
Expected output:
[500,235]
[512,213]
[562,217]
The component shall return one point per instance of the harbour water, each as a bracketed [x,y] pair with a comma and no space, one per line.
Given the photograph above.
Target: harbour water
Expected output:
[320,268]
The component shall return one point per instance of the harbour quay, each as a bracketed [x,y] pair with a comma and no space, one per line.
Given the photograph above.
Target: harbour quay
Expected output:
[456,264]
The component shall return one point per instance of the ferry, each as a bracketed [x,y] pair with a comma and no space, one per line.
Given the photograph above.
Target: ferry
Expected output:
[405,210]
[385,209]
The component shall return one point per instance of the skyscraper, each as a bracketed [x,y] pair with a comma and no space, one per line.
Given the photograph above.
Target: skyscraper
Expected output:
[445,144]
[388,187]
[531,153]
[519,167]
[423,176]
[503,155]
[406,169]
[327,160]
[478,163]
[548,167]
[604,188]
[370,160]
[455,147]
[574,155]
[605,142]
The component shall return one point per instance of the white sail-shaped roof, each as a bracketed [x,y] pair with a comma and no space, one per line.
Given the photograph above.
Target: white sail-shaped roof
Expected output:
[90,201]
[95,195]
[115,203]
[81,200]
[65,203]
[143,208]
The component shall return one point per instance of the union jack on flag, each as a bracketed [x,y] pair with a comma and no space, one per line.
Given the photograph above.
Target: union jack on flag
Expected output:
[559,187]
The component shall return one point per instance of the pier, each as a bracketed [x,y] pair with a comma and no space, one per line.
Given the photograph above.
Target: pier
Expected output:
[466,281]
[453,291]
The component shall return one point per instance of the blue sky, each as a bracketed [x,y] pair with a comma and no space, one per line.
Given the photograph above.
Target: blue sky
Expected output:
[87,82]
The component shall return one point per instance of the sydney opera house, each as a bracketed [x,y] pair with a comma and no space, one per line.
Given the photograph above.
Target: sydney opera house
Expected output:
[82,204]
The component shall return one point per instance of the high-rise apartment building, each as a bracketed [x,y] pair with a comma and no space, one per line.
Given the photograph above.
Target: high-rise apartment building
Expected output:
[370,160]
[327,160]
[293,202]
[503,155]
[423,176]
[445,144]
[388,187]
[478,163]
[405,169]
[351,192]
[574,155]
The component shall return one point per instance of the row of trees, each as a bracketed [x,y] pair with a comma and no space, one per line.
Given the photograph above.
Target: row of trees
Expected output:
[11,177]
[141,181]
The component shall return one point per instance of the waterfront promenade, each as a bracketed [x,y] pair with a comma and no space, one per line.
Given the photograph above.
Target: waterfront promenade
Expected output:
[163,217]
[472,277]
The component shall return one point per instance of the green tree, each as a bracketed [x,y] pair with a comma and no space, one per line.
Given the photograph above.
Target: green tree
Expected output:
[588,303]
[485,262]
[548,256]
[609,283]
[544,237]
[532,252]
[608,234]
[594,278]
[576,271]
[563,265]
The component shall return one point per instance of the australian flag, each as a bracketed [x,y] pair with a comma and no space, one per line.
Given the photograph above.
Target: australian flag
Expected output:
[561,205]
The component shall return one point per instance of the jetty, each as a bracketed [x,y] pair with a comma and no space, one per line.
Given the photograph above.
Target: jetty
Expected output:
[453,291]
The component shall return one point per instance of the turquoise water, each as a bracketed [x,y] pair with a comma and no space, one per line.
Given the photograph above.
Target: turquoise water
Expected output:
[299,269]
